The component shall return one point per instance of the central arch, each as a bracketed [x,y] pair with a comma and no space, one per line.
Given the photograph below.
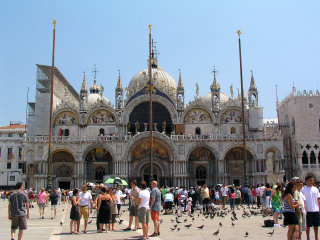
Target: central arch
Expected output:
[63,163]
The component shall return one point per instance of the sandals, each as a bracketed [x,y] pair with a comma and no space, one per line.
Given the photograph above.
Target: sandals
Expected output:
[127,229]
[154,235]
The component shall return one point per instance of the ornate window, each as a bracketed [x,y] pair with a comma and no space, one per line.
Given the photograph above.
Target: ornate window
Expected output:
[101,132]
[304,158]
[99,173]
[233,130]
[198,131]
[201,172]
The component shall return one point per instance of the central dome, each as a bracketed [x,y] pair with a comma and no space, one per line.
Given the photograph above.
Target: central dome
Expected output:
[160,79]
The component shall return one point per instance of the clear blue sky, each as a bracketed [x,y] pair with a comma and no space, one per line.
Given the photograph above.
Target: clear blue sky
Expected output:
[280,43]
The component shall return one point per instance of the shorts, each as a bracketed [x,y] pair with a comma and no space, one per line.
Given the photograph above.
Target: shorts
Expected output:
[84,212]
[41,205]
[143,215]
[19,222]
[290,218]
[302,222]
[168,205]
[53,207]
[312,219]
[133,211]
[224,200]
[154,215]
[113,218]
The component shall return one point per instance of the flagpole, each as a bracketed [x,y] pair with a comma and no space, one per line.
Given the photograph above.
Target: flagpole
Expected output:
[49,177]
[150,108]
[244,140]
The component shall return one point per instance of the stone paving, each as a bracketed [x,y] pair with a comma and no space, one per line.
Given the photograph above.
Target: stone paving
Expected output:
[53,230]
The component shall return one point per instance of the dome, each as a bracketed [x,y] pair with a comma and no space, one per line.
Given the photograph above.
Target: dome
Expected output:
[223,97]
[95,97]
[160,79]
[94,87]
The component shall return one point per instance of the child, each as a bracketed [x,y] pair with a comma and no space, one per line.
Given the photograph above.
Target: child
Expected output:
[189,204]
[182,206]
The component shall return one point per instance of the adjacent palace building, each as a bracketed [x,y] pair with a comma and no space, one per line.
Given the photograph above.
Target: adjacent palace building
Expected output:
[195,143]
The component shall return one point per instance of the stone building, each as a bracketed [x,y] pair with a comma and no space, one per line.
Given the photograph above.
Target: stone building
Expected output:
[194,143]
[299,117]
[11,154]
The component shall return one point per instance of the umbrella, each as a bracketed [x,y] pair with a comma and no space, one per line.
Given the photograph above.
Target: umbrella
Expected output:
[116,180]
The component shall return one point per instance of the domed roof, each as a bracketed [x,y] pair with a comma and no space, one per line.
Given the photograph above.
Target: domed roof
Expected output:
[95,97]
[160,79]
[223,97]
[94,87]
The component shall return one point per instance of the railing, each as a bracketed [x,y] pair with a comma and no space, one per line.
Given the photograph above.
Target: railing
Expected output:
[77,138]
[226,137]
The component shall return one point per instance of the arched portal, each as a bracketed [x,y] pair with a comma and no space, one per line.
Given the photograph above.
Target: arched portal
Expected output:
[140,161]
[98,164]
[63,169]
[139,118]
[202,166]
[235,164]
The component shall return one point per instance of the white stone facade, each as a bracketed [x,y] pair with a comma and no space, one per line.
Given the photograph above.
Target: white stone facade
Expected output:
[299,115]
[12,163]
[194,143]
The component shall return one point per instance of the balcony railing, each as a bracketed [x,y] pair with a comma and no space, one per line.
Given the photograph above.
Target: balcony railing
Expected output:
[77,138]
[226,137]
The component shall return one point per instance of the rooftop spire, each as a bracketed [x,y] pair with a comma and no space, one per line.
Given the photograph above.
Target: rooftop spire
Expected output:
[215,85]
[180,84]
[252,83]
[84,84]
[119,84]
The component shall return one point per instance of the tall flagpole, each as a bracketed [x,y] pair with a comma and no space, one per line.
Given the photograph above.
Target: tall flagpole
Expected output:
[49,178]
[150,108]
[244,140]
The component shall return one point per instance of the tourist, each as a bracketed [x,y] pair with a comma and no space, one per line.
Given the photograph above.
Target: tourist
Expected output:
[258,196]
[75,212]
[237,197]
[261,194]
[113,208]
[312,206]
[205,198]
[85,203]
[155,206]
[42,196]
[18,203]
[193,195]
[249,196]
[302,216]
[134,206]
[217,195]
[119,196]
[224,194]
[103,209]
[54,201]
[168,201]
[59,195]
[254,196]
[31,197]
[289,211]
[276,202]
[267,194]
[232,197]
[143,208]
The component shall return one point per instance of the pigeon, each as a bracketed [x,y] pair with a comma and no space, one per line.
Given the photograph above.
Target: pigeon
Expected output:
[173,229]
[61,223]
[232,224]
[193,219]
[188,226]
[216,233]
[121,220]
[178,229]
[90,221]
[177,221]
[185,220]
[247,234]
[201,227]
[220,224]
[172,220]
[62,210]
[271,233]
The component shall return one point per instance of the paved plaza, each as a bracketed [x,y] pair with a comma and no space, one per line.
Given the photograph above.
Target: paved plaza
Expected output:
[52,229]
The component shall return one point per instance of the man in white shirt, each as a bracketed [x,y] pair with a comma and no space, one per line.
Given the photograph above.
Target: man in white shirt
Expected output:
[224,194]
[85,203]
[143,208]
[261,193]
[311,203]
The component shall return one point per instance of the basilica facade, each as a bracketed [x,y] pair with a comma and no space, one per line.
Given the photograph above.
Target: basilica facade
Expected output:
[195,143]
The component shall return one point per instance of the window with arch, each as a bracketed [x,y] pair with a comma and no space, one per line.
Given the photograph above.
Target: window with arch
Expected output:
[304,158]
[198,131]
[233,130]
[99,173]
[201,172]
[101,132]
[66,132]
[313,159]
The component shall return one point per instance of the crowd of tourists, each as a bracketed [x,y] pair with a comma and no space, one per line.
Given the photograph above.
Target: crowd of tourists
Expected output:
[298,204]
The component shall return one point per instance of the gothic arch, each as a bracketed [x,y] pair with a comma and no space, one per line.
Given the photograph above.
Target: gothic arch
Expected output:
[145,98]
[203,145]
[197,106]
[66,110]
[113,114]
[275,150]
[93,146]
[60,148]
[235,108]
[141,166]
[249,149]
